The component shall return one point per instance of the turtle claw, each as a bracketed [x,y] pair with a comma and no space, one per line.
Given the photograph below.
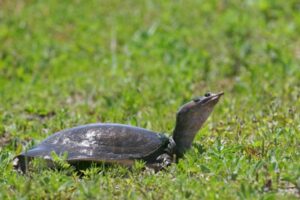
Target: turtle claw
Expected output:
[161,162]
[164,160]
[20,164]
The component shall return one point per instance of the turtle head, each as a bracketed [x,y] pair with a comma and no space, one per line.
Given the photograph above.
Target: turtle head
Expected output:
[190,117]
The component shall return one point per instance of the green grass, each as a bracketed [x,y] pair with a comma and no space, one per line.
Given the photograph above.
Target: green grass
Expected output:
[66,63]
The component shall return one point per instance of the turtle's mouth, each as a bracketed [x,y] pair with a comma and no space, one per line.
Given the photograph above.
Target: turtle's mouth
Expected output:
[213,98]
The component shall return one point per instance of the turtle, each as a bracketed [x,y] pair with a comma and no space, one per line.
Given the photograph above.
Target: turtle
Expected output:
[124,144]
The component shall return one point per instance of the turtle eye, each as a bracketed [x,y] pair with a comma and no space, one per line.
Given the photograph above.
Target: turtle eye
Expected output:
[207,94]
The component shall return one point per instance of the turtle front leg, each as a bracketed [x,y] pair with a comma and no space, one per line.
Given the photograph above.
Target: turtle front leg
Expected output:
[162,161]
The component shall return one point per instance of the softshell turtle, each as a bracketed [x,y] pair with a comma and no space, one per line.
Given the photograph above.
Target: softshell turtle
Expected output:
[123,144]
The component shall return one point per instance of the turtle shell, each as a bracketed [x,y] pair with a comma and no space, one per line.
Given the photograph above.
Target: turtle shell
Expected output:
[102,143]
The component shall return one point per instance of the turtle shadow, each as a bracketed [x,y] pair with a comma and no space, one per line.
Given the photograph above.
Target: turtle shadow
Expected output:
[28,165]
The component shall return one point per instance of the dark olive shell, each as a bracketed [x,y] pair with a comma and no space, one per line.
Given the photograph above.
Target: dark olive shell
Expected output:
[101,142]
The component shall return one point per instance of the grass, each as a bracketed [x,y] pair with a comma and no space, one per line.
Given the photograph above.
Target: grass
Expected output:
[65,63]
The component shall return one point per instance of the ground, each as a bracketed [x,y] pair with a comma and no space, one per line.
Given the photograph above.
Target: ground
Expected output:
[67,63]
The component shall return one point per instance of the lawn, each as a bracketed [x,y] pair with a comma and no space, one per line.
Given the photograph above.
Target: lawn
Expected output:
[68,63]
